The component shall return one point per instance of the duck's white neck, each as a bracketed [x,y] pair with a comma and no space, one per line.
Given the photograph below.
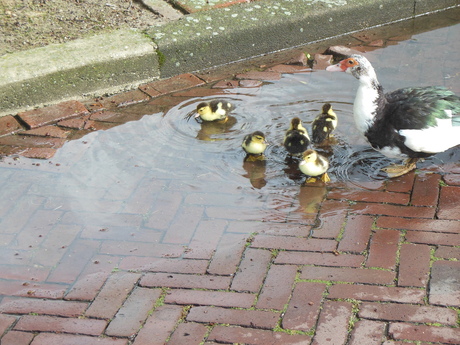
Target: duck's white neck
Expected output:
[365,105]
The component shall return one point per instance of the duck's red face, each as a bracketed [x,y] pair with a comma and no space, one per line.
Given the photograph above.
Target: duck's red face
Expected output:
[343,65]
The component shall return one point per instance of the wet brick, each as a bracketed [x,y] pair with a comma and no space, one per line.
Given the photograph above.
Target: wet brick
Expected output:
[124,99]
[226,84]
[216,298]
[252,270]
[11,305]
[448,252]
[445,283]
[304,306]
[177,83]
[407,313]
[322,61]
[163,265]
[43,323]
[356,235]
[184,225]
[333,323]
[437,225]
[332,216]
[323,259]
[187,281]
[275,295]
[134,311]
[32,141]
[38,152]
[426,190]
[294,243]
[223,334]
[288,69]
[376,293]
[115,291]
[394,210]
[414,266]
[205,239]
[48,131]
[402,184]
[228,255]
[188,333]
[452,179]
[383,249]
[6,321]
[248,318]
[369,196]
[9,125]
[17,338]
[367,332]
[433,238]
[259,75]
[86,288]
[159,325]
[32,289]
[54,113]
[449,203]
[70,339]
[444,335]
[345,274]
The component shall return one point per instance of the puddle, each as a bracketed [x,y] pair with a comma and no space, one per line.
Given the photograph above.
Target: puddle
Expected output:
[159,178]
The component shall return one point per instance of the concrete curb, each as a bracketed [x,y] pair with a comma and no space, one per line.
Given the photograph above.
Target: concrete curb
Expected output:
[121,60]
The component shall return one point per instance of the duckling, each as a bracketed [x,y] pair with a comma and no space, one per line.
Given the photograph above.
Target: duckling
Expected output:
[296,139]
[315,166]
[216,110]
[254,144]
[324,124]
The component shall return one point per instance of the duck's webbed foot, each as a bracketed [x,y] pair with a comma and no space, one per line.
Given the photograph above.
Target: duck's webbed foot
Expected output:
[254,158]
[396,170]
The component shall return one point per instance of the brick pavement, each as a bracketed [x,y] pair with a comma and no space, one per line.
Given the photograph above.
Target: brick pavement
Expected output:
[381,268]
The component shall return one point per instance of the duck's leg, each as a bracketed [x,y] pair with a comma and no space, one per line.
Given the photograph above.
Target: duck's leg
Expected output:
[396,170]
[254,158]
[310,180]
[325,177]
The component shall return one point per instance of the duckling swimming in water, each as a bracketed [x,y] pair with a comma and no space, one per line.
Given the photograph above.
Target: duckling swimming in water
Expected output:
[216,110]
[315,166]
[324,124]
[254,144]
[296,139]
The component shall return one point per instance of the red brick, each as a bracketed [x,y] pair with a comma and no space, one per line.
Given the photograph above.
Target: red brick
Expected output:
[376,293]
[331,223]
[445,283]
[449,203]
[87,287]
[133,313]
[9,125]
[188,333]
[41,323]
[383,249]
[70,339]
[226,84]
[426,190]
[227,255]
[205,239]
[452,179]
[199,92]
[216,298]
[31,289]
[159,325]
[438,225]
[289,69]
[323,259]
[259,75]
[184,225]
[177,83]
[304,306]
[433,238]
[17,338]
[356,235]
[345,274]
[394,210]
[124,99]
[275,295]
[240,335]
[6,321]
[187,281]
[166,207]
[48,131]
[294,243]
[149,90]
[369,196]
[333,323]
[240,317]
[407,313]
[11,305]
[414,266]
[448,252]
[164,265]
[113,294]
[367,332]
[402,184]
[444,335]
[252,270]
[54,113]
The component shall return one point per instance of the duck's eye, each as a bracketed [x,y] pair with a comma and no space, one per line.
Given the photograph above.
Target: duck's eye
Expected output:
[350,62]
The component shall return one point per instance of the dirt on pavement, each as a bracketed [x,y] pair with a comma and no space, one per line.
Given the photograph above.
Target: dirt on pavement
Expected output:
[26,24]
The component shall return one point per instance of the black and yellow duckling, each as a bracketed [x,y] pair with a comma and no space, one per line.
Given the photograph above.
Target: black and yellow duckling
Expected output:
[315,166]
[324,124]
[296,139]
[216,110]
[254,144]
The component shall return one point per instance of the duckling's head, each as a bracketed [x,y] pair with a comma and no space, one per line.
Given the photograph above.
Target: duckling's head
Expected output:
[203,108]
[258,137]
[310,155]
[326,108]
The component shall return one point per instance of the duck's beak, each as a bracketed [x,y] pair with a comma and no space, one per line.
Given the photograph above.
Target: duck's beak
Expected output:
[335,68]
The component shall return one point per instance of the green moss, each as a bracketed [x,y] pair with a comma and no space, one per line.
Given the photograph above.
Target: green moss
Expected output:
[161,58]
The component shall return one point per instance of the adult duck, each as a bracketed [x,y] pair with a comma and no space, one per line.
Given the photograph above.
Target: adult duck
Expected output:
[409,123]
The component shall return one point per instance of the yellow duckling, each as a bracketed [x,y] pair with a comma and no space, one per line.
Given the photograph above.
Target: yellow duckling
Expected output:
[296,139]
[315,166]
[254,143]
[216,110]
[324,124]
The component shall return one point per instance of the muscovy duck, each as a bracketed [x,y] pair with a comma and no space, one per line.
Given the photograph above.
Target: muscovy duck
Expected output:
[314,165]
[409,123]
[216,110]
[324,124]
[296,139]
[254,144]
